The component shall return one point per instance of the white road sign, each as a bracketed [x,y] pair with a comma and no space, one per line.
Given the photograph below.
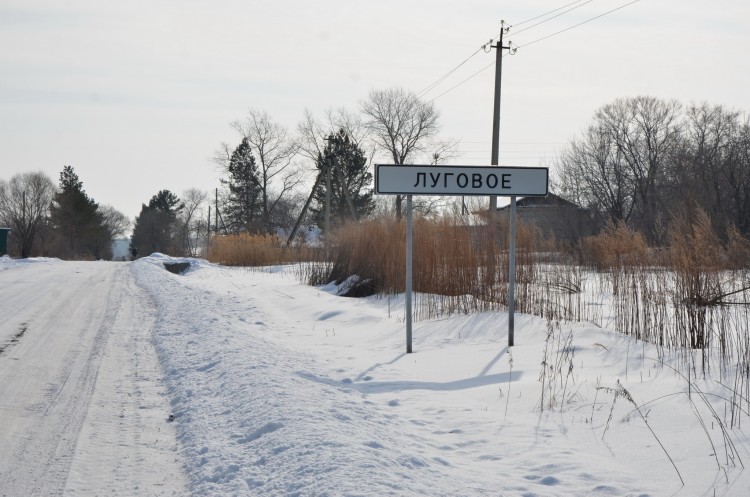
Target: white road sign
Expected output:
[392,179]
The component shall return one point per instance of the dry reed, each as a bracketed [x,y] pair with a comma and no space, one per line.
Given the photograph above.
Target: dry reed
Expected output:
[456,267]
[254,250]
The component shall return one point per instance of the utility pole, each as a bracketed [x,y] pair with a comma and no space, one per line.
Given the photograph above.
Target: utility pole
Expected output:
[499,47]
[304,209]
[332,163]
[208,232]
[344,187]
[329,162]
[328,188]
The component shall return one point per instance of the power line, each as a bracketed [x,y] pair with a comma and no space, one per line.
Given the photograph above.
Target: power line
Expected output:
[579,24]
[445,76]
[545,14]
[553,17]
[507,143]
[465,80]
[483,47]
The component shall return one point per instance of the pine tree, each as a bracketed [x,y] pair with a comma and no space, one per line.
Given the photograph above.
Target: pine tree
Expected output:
[154,229]
[76,222]
[352,162]
[243,209]
[167,203]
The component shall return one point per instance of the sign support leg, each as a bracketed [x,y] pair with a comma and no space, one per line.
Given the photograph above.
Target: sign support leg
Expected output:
[512,272]
[407,295]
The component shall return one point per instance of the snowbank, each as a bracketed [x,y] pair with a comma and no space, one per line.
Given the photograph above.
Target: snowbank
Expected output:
[278,388]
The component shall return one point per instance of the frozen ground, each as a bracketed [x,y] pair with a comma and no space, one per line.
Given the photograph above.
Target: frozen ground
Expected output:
[82,404]
[274,388]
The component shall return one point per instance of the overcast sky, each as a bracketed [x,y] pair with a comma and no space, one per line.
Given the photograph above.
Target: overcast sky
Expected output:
[138,95]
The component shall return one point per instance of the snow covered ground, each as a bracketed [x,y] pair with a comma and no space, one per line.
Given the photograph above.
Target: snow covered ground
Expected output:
[130,380]
[82,404]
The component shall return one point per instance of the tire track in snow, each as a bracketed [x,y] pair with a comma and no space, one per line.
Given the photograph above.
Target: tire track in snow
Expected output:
[16,338]
[127,446]
[55,391]
[65,337]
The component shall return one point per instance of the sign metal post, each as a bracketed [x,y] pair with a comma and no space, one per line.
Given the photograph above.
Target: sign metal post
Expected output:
[409,260]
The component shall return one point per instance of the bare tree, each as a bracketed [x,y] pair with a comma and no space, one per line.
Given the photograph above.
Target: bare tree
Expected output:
[646,133]
[441,152]
[275,153]
[594,174]
[24,206]
[192,224]
[401,124]
[115,222]
[714,168]
[355,127]
[111,224]
[623,166]
[738,177]
[222,157]
[313,133]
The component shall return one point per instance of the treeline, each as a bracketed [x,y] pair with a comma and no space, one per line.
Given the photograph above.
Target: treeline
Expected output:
[57,221]
[268,177]
[648,163]
[643,162]
[261,191]
[273,179]
[269,174]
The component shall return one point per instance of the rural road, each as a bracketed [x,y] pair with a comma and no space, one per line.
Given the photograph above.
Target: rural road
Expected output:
[82,406]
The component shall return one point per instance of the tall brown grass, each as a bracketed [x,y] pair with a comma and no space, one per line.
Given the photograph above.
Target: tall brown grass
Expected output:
[456,267]
[254,250]
[372,251]
[738,249]
[696,256]
[616,246]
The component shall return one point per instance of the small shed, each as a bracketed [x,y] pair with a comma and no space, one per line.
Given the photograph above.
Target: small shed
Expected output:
[554,216]
[4,233]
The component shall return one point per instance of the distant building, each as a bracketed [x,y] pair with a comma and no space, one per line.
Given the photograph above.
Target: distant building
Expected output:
[554,216]
[121,249]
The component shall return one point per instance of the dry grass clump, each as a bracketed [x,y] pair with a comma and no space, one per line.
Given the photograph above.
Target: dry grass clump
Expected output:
[372,251]
[447,257]
[702,285]
[616,246]
[696,255]
[253,250]
[456,267]
[738,249]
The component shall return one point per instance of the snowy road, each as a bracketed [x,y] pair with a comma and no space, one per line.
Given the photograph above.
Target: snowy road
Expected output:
[81,407]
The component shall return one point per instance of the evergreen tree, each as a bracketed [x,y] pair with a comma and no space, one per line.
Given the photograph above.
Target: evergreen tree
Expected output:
[167,203]
[352,162]
[76,221]
[243,208]
[69,181]
[154,229]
